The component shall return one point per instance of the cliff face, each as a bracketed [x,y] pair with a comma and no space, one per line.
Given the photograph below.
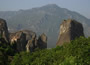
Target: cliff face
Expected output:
[4,30]
[31,44]
[42,41]
[69,30]
[27,40]
[29,35]
[20,39]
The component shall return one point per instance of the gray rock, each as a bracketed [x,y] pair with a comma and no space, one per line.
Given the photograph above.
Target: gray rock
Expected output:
[24,38]
[69,30]
[20,39]
[42,41]
[29,34]
[32,44]
[4,30]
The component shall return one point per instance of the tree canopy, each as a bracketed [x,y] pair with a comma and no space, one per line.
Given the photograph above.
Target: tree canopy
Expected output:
[77,52]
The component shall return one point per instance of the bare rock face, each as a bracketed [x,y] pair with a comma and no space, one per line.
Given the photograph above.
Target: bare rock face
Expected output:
[42,41]
[31,44]
[4,30]
[69,30]
[24,38]
[20,39]
[29,34]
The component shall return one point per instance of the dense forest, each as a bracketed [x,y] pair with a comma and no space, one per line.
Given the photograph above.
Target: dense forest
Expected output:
[77,52]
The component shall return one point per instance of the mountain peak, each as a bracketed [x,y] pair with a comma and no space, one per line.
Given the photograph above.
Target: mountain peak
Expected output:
[51,6]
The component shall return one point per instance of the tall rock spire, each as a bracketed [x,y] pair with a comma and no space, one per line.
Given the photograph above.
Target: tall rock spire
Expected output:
[69,30]
[4,30]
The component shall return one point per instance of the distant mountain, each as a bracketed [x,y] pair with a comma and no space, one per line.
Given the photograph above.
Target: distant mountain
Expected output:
[45,19]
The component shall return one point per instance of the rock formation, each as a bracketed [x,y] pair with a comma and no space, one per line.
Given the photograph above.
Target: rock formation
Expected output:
[4,30]
[29,34]
[42,41]
[32,44]
[27,40]
[20,39]
[69,30]
[24,40]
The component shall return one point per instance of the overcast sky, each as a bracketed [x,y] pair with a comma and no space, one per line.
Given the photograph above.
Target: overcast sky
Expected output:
[80,6]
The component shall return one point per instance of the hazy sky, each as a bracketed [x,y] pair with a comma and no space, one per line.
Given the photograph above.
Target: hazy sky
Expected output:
[81,6]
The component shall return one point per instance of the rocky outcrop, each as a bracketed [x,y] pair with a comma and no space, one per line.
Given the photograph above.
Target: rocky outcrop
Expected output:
[69,30]
[4,30]
[42,41]
[20,39]
[32,44]
[29,35]
[24,40]
[27,40]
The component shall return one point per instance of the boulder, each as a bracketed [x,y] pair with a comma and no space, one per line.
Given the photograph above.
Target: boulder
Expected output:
[69,30]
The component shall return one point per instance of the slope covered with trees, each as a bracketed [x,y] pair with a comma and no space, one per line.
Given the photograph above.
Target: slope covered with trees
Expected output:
[77,52]
[6,52]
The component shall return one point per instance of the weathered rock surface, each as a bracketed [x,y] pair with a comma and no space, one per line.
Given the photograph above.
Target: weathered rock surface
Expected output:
[29,34]
[27,40]
[31,44]
[22,39]
[4,30]
[69,30]
[42,41]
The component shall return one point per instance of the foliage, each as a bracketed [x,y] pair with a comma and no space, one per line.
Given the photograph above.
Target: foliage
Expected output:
[77,52]
[6,52]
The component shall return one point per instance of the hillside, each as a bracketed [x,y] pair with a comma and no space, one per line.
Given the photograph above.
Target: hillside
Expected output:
[77,52]
[45,19]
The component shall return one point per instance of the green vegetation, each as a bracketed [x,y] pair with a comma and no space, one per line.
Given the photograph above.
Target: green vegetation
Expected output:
[76,52]
[6,52]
